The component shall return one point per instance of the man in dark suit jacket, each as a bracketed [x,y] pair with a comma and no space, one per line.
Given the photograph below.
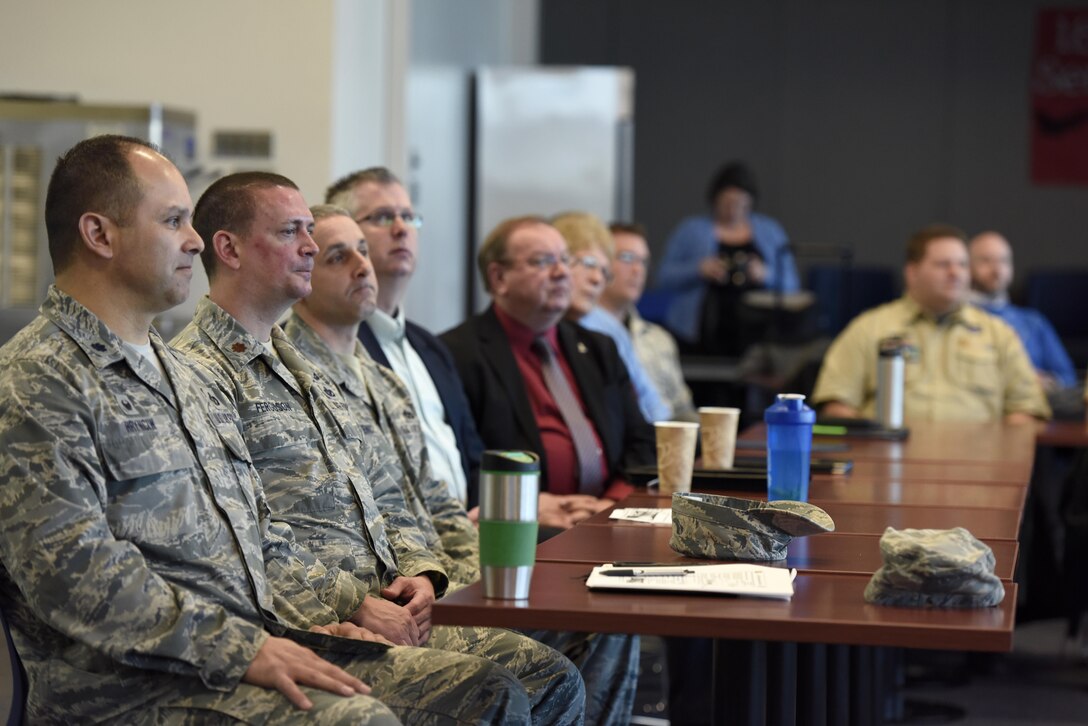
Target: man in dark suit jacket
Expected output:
[381,207]
[525,266]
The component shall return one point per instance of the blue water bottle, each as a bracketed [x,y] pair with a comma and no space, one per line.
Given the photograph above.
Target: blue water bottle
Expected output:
[789,446]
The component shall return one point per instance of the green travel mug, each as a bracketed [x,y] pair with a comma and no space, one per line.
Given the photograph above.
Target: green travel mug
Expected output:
[509,485]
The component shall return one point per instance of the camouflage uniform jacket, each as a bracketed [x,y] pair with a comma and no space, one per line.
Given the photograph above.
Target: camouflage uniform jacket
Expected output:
[134,536]
[312,458]
[382,407]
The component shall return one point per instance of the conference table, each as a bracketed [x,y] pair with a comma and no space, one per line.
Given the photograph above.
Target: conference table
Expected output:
[819,657]
[1067,434]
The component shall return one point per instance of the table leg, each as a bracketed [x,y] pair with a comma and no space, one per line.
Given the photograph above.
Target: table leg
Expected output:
[862,683]
[782,684]
[838,684]
[740,682]
[812,683]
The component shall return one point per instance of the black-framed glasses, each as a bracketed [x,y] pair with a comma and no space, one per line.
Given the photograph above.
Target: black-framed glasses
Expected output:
[592,262]
[386,218]
[630,258]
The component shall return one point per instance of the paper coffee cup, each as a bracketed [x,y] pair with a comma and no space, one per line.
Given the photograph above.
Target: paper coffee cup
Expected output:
[718,430]
[675,455]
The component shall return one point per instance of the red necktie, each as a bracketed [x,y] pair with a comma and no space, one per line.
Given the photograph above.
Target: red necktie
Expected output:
[581,430]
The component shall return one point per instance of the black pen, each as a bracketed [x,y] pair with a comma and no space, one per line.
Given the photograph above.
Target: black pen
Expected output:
[660,572]
[673,565]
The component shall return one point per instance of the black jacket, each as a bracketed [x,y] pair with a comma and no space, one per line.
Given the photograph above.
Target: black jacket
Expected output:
[501,408]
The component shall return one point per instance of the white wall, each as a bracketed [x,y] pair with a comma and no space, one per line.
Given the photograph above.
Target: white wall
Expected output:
[369,62]
[243,64]
[323,76]
[447,40]
[331,79]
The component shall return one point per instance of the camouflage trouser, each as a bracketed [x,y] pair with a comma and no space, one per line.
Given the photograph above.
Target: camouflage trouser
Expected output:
[419,685]
[555,689]
[609,666]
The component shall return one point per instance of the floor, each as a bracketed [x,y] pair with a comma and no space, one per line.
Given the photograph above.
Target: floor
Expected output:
[1042,682]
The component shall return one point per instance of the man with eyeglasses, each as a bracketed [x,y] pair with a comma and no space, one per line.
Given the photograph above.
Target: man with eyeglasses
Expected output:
[333,487]
[590,245]
[324,327]
[538,382]
[380,205]
[654,345]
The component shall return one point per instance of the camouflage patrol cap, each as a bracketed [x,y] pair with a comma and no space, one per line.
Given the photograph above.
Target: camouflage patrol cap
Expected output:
[945,568]
[730,528]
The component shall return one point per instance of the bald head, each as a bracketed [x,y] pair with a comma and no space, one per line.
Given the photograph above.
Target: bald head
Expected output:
[991,263]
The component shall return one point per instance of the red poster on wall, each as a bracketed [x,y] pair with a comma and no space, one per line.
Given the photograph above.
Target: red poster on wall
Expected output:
[1059,97]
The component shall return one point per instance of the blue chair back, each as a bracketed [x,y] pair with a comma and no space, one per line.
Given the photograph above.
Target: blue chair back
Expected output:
[844,291]
[654,305]
[1062,296]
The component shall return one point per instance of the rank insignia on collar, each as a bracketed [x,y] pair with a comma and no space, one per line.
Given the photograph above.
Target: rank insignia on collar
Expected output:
[239,347]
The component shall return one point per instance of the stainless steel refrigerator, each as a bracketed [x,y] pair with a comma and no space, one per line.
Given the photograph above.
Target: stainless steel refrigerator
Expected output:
[548,140]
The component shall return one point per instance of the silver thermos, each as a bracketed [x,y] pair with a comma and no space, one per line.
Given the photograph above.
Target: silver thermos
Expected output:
[889,383]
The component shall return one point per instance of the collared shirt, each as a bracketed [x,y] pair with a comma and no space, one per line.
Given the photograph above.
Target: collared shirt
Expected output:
[657,351]
[382,406]
[438,435]
[563,470]
[650,402]
[1041,342]
[321,476]
[968,366]
[133,518]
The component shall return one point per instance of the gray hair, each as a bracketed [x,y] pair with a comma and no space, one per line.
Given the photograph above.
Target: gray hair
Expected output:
[324,211]
[339,192]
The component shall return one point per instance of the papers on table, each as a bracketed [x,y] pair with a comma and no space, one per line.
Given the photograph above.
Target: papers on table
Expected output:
[747,580]
[649,515]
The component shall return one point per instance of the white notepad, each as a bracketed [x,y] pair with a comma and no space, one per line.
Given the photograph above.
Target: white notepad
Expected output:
[649,515]
[738,579]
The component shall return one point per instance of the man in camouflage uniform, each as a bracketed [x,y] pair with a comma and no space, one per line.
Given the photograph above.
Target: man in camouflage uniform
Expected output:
[321,474]
[323,327]
[139,568]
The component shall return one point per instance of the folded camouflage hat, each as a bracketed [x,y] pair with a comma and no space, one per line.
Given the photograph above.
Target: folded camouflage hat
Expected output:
[944,568]
[730,528]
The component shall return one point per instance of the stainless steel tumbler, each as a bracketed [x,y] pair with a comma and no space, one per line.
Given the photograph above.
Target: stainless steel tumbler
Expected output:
[509,485]
[889,383]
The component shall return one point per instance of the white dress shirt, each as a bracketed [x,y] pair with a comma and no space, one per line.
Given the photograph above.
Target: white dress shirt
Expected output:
[438,435]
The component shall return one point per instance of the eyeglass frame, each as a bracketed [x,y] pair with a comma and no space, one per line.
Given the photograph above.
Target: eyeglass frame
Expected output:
[590,262]
[542,262]
[629,258]
[409,217]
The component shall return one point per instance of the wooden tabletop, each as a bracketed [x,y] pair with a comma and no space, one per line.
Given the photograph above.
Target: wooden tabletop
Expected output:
[848,554]
[944,442]
[867,518]
[860,488]
[945,475]
[826,608]
[1071,434]
[946,472]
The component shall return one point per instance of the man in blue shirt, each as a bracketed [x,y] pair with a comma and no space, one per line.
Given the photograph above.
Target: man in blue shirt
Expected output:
[991,274]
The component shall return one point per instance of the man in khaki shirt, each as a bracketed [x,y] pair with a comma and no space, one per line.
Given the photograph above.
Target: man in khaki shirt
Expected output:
[962,364]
